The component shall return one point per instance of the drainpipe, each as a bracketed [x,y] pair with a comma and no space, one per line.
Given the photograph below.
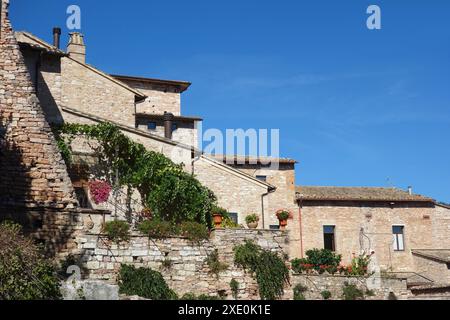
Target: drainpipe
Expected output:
[270,190]
[299,202]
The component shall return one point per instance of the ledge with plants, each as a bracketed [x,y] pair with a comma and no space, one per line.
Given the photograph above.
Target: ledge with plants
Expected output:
[319,261]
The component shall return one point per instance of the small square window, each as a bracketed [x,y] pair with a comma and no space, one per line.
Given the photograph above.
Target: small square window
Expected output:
[151,125]
[233,216]
[261,178]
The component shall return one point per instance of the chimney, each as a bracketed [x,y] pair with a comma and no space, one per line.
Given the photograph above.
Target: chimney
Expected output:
[56,36]
[76,48]
[410,191]
[168,122]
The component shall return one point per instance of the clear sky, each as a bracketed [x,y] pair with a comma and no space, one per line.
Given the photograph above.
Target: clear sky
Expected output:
[355,107]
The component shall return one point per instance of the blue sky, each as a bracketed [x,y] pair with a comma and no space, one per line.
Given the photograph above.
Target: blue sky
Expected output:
[355,107]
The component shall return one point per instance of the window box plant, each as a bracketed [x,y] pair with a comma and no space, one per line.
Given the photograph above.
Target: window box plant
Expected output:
[252,221]
[283,215]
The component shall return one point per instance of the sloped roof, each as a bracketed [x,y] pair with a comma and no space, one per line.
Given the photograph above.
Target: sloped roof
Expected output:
[37,43]
[171,142]
[251,160]
[34,42]
[442,255]
[183,85]
[357,194]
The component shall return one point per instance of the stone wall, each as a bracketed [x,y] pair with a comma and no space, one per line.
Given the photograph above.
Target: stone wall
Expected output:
[86,90]
[283,178]
[379,287]
[433,269]
[31,168]
[368,226]
[181,262]
[235,192]
[160,98]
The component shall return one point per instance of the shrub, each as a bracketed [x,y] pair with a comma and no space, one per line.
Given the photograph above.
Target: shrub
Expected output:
[351,292]
[24,272]
[234,286]
[299,265]
[251,218]
[156,228]
[323,260]
[144,282]
[194,231]
[117,231]
[215,266]
[325,294]
[180,197]
[267,267]
[227,222]
[299,291]
[360,265]
[192,296]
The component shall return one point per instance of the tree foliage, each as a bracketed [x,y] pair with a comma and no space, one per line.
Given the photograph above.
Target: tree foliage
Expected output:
[24,272]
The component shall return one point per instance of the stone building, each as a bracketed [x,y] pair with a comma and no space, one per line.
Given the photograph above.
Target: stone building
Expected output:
[149,112]
[40,84]
[408,233]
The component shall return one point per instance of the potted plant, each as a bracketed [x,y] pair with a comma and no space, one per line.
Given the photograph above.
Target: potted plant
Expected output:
[252,221]
[218,213]
[283,215]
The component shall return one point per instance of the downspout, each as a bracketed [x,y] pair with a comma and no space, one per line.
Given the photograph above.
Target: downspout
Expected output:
[269,190]
[195,158]
[299,202]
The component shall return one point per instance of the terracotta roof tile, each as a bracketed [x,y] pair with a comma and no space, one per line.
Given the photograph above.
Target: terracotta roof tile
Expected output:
[356,194]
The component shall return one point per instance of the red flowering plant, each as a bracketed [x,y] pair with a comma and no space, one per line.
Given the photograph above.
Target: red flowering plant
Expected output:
[283,214]
[99,190]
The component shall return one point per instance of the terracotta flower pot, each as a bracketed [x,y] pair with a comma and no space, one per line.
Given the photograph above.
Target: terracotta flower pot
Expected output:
[283,224]
[252,225]
[217,218]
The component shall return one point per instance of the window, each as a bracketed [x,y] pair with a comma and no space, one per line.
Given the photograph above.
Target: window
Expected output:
[82,197]
[151,125]
[233,216]
[399,243]
[261,178]
[328,238]
[174,126]
[274,227]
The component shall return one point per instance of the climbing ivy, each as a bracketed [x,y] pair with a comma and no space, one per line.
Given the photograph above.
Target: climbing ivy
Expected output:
[171,194]
[267,267]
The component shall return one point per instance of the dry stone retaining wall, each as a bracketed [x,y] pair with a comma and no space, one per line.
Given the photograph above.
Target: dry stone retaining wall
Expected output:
[181,262]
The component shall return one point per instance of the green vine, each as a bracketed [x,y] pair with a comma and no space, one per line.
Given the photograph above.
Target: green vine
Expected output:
[214,264]
[267,267]
[171,194]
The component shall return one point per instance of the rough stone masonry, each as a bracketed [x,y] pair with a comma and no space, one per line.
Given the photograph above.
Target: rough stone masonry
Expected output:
[32,171]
